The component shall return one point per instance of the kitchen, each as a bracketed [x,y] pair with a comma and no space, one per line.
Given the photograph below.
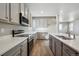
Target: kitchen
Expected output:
[39,29]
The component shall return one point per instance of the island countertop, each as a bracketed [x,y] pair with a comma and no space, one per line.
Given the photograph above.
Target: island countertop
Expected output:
[74,43]
[8,42]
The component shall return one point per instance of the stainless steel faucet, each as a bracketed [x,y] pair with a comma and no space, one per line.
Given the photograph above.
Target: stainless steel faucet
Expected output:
[73,36]
[69,34]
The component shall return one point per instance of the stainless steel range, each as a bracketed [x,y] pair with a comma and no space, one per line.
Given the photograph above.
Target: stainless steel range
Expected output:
[19,33]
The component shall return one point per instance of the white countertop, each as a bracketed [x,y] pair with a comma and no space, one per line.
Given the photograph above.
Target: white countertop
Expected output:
[71,43]
[8,42]
[29,33]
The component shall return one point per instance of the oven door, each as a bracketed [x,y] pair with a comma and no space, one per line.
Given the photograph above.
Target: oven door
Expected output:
[30,45]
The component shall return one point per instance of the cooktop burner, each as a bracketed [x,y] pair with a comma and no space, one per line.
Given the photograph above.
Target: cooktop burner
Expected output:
[23,35]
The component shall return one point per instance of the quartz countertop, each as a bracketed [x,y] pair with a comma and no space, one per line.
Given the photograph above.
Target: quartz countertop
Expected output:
[29,33]
[8,42]
[74,43]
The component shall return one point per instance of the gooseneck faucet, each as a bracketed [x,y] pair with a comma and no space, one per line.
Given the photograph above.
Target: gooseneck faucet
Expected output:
[69,35]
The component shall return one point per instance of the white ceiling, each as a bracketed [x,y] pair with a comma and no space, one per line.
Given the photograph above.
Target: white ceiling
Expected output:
[48,8]
[66,11]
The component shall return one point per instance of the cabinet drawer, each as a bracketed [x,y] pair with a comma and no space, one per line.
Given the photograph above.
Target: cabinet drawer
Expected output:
[16,53]
[13,52]
[69,50]
[65,53]
[24,42]
[58,43]
[58,51]
[24,48]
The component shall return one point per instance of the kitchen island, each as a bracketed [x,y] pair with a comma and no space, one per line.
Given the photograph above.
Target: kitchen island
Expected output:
[62,47]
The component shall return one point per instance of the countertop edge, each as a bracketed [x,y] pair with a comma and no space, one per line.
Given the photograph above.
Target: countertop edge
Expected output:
[12,46]
[60,39]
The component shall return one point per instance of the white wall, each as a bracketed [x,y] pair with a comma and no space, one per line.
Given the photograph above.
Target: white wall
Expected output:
[6,29]
[76,27]
[52,28]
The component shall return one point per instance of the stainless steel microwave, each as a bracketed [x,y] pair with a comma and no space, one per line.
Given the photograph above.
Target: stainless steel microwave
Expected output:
[23,20]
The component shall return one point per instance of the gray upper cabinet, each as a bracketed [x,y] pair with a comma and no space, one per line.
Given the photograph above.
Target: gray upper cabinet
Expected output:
[14,12]
[9,12]
[4,12]
[22,9]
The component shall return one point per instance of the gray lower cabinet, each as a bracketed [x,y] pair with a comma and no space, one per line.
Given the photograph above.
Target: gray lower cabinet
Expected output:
[13,52]
[19,50]
[53,45]
[24,48]
[58,48]
[68,51]
[50,42]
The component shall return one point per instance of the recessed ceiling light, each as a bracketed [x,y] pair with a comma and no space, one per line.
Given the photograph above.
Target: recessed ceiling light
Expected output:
[42,12]
[61,11]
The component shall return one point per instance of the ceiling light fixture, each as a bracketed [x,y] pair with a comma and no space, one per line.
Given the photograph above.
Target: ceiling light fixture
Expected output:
[42,12]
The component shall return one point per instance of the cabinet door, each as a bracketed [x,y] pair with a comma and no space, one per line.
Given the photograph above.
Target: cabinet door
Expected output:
[13,52]
[15,13]
[58,51]
[24,48]
[29,16]
[50,42]
[22,9]
[7,12]
[69,51]
[35,37]
[53,45]
[57,47]
[26,12]
[30,20]
[65,54]
[3,11]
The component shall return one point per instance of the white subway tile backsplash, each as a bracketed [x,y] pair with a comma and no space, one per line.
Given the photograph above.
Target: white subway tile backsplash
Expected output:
[5,29]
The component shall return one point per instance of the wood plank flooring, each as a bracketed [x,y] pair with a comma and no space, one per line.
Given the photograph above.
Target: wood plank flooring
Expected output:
[41,48]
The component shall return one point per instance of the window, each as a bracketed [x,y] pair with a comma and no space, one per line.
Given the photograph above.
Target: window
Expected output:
[60,27]
[40,24]
[71,26]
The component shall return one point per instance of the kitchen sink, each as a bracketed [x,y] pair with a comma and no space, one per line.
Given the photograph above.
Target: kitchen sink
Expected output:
[63,37]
